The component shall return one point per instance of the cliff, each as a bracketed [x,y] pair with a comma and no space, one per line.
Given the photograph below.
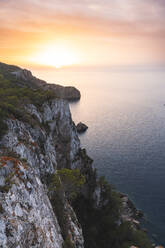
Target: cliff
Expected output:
[27,155]
[50,194]
[24,78]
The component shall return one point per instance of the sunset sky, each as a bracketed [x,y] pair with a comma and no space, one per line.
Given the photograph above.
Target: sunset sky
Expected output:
[82,32]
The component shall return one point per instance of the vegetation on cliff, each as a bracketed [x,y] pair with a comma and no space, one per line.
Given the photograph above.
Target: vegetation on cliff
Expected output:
[102,226]
[64,187]
[68,182]
[13,99]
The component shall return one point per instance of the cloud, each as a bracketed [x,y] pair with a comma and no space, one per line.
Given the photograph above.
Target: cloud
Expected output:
[129,21]
[129,17]
[147,15]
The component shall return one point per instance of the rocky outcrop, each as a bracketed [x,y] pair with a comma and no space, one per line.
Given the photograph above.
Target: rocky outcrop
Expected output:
[81,127]
[129,212]
[69,93]
[23,74]
[25,78]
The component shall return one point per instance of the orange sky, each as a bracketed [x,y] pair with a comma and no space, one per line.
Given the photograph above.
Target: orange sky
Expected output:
[86,33]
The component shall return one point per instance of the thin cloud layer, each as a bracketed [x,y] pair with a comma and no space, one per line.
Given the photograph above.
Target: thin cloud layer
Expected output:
[39,20]
[146,15]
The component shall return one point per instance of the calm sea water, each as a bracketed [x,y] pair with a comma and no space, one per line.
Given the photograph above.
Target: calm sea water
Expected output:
[125,112]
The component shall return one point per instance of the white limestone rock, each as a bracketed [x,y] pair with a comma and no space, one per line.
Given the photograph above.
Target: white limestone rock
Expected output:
[27,217]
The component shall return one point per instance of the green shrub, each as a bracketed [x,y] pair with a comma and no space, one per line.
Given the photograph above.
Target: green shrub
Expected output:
[64,185]
[67,181]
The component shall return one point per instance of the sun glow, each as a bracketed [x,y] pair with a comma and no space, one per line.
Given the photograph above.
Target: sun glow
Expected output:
[56,56]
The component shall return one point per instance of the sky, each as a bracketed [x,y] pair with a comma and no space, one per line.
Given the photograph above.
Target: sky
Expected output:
[82,32]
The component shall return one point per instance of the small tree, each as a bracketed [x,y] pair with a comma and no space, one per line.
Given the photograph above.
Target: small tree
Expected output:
[67,181]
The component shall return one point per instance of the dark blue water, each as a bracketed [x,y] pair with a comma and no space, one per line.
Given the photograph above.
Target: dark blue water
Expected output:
[125,113]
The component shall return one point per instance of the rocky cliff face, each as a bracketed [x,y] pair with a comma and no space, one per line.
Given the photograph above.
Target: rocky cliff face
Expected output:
[28,153]
[27,218]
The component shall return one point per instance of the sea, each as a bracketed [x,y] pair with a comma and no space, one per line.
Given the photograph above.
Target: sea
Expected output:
[125,112]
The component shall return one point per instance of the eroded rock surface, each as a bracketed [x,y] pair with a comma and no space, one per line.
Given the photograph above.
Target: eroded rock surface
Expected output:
[27,218]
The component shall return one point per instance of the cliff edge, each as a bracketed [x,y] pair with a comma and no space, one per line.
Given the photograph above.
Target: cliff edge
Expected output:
[24,78]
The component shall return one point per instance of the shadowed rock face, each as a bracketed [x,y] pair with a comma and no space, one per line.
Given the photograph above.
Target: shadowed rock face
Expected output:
[25,78]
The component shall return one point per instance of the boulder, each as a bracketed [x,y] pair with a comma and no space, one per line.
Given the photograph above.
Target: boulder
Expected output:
[81,127]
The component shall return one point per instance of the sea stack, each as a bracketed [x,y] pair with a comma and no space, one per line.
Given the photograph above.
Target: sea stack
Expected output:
[81,127]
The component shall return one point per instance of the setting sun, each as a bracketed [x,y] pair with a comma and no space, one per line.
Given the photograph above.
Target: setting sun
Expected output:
[55,56]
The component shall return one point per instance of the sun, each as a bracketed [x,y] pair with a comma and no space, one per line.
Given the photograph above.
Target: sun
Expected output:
[55,56]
